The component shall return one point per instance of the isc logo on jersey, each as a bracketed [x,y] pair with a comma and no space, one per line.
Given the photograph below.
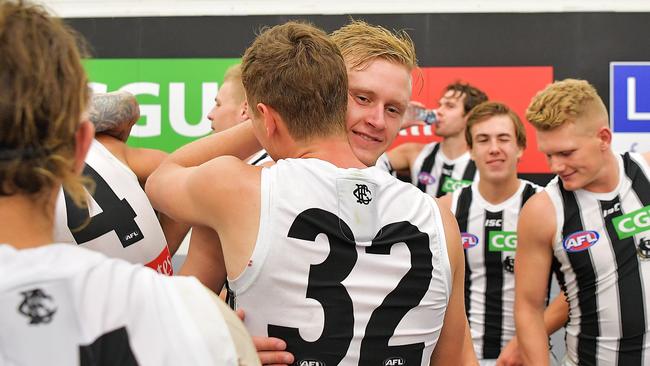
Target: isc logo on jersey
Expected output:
[502,241]
[469,240]
[394,361]
[580,240]
[632,223]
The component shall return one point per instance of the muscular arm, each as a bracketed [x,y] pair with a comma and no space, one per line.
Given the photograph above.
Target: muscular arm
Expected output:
[534,254]
[449,349]
[403,156]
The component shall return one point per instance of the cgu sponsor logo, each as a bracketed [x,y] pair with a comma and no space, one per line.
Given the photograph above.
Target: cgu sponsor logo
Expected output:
[502,241]
[469,240]
[394,361]
[580,240]
[632,223]
[450,184]
[311,363]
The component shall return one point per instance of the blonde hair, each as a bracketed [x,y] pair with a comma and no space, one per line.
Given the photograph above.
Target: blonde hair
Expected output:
[361,43]
[43,93]
[561,102]
[487,110]
[233,75]
[296,69]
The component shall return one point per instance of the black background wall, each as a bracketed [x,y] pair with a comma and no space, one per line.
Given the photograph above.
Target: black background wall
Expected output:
[579,45]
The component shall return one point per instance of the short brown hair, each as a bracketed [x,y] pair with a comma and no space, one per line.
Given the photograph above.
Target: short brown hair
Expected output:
[561,102]
[296,69]
[233,75]
[487,110]
[361,43]
[43,93]
[473,95]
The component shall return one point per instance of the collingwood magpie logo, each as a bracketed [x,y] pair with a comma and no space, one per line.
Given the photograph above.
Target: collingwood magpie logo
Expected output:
[643,250]
[363,194]
[37,306]
[509,264]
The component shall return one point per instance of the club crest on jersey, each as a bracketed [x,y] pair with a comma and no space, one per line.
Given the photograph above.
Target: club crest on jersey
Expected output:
[311,363]
[426,178]
[580,240]
[469,240]
[363,194]
[509,264]
[643,250]
[394,361]
[37,306]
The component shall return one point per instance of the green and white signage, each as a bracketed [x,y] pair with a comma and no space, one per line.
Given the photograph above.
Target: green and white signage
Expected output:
[175,95]
[502,241]
[632,223]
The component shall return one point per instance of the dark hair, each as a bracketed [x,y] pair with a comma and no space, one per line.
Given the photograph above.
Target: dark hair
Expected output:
[473,95]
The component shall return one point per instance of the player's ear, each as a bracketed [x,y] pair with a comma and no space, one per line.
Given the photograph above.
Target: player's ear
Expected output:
[604,134]
[243,111]
[83,138]
[269,118]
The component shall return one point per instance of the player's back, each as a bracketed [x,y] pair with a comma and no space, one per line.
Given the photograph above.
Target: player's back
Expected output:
[350,266]
[122,222]
[63,305]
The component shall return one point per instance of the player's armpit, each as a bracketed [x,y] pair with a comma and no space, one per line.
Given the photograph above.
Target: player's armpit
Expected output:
[205,259]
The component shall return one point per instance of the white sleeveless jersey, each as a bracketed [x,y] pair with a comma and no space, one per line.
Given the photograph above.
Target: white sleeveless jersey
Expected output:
[350,266]
[602,243]
[437,175]
[64,305]
[123,224]
[489,239]
[259,158]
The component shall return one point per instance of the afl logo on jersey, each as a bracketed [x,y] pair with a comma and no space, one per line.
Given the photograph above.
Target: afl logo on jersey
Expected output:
[469,240]
[426,178]
[311,363]
[394,361]
[580,240]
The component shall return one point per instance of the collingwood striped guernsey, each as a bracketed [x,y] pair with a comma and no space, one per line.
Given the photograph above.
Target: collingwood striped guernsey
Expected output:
[433,173]
[602,243]
[488,233]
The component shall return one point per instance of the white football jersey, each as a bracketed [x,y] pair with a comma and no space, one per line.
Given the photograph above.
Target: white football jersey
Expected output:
[65,305]
[350,266]
[122,222]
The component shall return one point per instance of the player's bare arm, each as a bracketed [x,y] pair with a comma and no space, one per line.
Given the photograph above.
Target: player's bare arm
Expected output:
[403,156]
[449,350]
[535,232]
[205,259]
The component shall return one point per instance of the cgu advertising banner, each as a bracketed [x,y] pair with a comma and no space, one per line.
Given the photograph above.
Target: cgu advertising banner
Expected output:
[175,95]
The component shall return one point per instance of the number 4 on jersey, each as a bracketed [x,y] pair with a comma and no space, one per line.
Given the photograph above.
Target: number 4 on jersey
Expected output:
[117,215]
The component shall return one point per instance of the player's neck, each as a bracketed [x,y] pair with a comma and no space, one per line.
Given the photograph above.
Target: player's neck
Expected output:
[496,192]
[608,176]
[454,146]
[114,145]
[26,222]
[333,149]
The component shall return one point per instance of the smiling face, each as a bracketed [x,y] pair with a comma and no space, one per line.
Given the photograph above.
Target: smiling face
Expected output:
[378,96]
[575,154]
[451,114]
[495,150]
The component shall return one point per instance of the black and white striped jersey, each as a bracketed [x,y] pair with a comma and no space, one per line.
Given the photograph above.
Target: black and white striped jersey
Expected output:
[489,238]
[259,158]
[602,243]
[438,175]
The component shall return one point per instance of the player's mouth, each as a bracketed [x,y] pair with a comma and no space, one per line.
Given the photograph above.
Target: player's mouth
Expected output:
[366,137]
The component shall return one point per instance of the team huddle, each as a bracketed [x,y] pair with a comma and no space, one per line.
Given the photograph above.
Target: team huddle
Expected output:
[295,216]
